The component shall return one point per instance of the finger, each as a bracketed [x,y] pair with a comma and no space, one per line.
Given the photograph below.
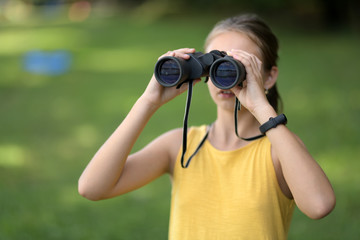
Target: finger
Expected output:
[236,90]
[183,52]
[250,61]
[187,50]
[168,54]
[180,53]
[245,59]
[259,63]
[244,83]
[197,80]
[253,57]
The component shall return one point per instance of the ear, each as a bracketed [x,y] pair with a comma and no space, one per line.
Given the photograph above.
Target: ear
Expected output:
[271,77]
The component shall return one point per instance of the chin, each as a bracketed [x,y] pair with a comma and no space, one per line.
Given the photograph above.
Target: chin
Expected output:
[226,105]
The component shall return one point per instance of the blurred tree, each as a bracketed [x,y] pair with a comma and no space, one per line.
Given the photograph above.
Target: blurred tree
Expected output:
[331,14]
[335,13]
[338,14]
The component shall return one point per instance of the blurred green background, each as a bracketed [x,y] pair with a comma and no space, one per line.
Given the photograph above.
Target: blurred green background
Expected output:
[54,119]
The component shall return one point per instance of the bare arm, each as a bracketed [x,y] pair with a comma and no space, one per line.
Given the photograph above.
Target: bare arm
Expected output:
[112,171]
[102,175]
[306,180]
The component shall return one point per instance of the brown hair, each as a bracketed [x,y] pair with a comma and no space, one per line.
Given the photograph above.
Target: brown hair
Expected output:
[261,34]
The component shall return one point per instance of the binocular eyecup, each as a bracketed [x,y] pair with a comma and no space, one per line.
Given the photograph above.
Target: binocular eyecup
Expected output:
[224,71]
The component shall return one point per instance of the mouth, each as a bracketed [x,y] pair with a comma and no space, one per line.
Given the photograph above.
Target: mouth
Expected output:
[226,93]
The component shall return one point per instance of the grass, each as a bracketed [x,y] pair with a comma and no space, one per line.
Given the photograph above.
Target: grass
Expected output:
[52,125]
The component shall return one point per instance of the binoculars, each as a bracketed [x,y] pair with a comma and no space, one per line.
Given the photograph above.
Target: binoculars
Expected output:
[225,72]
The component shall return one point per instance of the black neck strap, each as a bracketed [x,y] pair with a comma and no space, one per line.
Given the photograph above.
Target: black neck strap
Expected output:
[185,124]
[185,128]
[237,108]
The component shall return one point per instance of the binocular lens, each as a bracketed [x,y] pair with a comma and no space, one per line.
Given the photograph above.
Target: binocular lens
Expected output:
[225,75]
[225,72]
[169,72]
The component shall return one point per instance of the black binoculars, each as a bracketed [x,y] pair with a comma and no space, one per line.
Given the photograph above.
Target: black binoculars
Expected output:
[225,72]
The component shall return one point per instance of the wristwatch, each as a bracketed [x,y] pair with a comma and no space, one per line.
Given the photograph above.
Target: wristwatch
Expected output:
[273,122]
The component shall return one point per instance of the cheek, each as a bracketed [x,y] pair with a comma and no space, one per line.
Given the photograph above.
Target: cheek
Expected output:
[212,89]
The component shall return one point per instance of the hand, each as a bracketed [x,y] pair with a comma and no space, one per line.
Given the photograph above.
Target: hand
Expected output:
[157,94]
[251,94]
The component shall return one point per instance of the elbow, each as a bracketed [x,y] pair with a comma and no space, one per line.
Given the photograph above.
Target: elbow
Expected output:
[322,208]
[88,195]
[88,192]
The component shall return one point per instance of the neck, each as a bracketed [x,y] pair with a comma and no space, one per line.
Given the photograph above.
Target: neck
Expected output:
[222,135]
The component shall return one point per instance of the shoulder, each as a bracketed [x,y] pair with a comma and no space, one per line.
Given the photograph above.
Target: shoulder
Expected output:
[169,144]
[170,138]
[171,141]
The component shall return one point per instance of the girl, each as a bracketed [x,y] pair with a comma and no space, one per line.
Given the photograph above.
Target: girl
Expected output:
[233,188]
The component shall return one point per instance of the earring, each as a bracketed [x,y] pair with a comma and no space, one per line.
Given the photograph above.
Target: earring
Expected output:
[266,91]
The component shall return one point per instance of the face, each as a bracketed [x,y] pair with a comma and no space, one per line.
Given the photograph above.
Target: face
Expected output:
[225,42]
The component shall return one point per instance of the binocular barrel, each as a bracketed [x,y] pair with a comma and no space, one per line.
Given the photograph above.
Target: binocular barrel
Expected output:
[225,72]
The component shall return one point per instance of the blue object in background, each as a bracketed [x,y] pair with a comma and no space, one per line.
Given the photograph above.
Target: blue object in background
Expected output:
[47,62]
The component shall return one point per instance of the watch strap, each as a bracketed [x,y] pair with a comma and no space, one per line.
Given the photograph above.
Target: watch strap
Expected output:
[273,122]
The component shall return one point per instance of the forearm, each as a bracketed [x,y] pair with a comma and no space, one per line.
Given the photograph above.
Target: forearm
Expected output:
[308,183]
[104,175]
[104,170]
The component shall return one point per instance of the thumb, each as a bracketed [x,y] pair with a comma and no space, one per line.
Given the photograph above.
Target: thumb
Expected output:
[236,90]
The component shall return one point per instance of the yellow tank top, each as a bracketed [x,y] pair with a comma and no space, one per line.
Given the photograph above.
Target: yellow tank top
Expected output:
[228,194]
